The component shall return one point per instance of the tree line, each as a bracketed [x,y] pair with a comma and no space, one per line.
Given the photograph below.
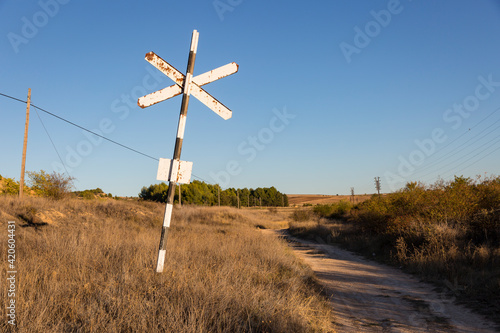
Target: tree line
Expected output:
[201,193]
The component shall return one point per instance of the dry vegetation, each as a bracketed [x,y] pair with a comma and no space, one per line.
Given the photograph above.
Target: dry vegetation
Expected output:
[319,199]
[447,233]
[88,266]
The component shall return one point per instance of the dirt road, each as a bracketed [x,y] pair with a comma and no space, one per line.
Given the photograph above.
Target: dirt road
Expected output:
[369,297]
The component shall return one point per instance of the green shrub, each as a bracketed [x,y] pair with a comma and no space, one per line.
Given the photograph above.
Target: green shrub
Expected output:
[323,210]
[301,215]
[10,186]
[334,210]
[92,194]
[471,203]
[54,185]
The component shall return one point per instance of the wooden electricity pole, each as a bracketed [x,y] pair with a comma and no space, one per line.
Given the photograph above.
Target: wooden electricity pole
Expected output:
[25,145]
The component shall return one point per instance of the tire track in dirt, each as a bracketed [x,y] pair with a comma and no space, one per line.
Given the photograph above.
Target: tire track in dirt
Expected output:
[370,297]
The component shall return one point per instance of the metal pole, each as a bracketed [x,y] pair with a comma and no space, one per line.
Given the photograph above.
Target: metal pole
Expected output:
[377,185]
[26,126]
[177,152]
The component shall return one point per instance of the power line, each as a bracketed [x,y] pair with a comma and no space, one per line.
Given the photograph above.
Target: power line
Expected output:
[81,127]
[482,158]
[462,150]
[16,99]
[491,144]
[436,162]
[85,129]
[57,152]
[105,138]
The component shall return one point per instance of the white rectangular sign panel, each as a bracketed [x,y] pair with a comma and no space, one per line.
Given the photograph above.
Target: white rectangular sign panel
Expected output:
[174,171]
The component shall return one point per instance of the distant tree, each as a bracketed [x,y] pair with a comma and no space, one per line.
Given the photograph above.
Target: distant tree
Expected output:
[244,197]
[201,193]
[157,192]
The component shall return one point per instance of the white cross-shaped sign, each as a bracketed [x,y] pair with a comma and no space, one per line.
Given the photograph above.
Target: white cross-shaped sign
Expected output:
[194,87]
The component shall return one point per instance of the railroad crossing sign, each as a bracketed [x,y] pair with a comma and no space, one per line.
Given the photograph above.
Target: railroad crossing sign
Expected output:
[194,86]
[174,170]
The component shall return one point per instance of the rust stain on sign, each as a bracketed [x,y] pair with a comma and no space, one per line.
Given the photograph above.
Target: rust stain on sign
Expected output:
[194,86]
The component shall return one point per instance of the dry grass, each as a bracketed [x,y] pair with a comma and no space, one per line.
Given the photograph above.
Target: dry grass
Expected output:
[441,254]
[88,266]
[319,199]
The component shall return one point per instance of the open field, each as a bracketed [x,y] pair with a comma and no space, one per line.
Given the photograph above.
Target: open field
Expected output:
[314,199]
[88,266]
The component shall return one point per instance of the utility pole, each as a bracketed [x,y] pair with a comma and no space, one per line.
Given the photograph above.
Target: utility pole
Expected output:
[238,196]
[377,185]
[218,193]
[25,145]
[248,199]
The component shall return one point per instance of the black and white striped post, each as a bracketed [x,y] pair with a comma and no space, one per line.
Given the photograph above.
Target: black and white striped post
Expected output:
[176,171]
[177,152]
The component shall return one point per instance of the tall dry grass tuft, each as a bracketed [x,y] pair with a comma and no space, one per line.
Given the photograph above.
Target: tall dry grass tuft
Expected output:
[88,266]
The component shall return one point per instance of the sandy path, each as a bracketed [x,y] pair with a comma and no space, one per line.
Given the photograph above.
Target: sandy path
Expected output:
[370,297]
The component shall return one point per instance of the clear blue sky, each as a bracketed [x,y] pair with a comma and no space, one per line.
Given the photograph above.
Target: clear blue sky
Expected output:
[396,89]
